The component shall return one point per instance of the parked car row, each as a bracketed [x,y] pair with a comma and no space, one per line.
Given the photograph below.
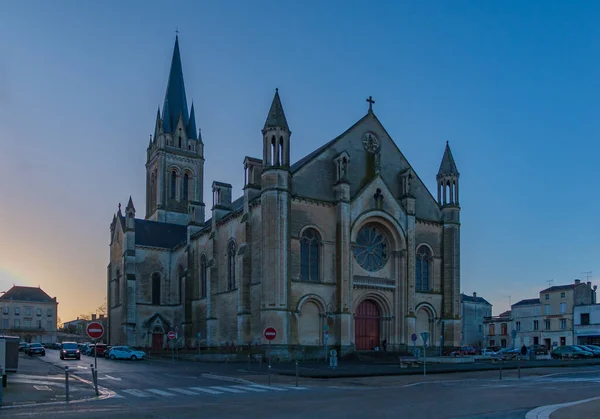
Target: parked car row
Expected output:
[32,348]
[576,351]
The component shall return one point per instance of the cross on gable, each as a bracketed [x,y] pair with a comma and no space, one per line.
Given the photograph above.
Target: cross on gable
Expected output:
[371,102]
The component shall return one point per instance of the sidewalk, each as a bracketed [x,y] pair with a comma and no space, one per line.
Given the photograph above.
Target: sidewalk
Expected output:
[589,410]
[38,382]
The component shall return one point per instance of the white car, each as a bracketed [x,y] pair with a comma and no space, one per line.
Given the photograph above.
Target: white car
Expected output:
[125,352]
[488,352]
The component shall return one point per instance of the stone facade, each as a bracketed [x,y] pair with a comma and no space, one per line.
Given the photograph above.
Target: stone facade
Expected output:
[528,322]
[30,313]
[346,241]
[474,310]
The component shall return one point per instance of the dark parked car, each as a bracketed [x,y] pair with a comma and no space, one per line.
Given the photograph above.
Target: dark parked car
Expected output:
[70,350]
[22,346]
[35,349]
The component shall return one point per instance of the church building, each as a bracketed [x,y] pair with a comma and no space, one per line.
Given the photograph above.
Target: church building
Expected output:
[345,245]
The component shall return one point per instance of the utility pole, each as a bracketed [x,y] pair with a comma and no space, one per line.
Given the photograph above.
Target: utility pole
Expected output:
[550,282]
[588,276]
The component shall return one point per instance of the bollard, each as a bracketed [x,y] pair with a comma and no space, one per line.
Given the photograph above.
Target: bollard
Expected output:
[1,384]
[248,363]
[67,383]
[296,373]
[95,378]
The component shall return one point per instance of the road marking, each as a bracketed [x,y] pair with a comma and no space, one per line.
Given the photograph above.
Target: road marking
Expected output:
[135,392]
[295,388]
[258,390]
[83,368]
[267,387]
[159,392]
[206,390]
[44,388]
[109,377]
[544,412]
[183,391]
[229,389]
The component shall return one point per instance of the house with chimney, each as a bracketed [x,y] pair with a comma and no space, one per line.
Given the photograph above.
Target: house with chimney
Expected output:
[474,310]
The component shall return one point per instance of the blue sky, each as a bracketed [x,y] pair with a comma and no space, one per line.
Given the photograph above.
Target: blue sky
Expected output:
[514,87]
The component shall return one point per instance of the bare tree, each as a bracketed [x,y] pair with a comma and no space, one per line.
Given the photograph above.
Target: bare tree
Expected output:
[102,309]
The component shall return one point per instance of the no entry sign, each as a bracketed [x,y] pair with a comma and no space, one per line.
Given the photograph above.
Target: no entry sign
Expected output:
[171,335]
[270,333]
[95,330]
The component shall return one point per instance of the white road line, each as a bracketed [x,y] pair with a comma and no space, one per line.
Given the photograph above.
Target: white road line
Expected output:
[206,390]
[258,390]
[135,392]
[229,389]
[544,412]
[183,391]
[295,388]
[268,387]
[159,392]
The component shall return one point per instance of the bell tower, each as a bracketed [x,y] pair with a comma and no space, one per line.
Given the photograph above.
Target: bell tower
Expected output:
[175,157]
[275,215]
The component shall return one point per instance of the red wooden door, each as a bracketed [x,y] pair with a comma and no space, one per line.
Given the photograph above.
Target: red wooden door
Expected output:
[157,341]
[366,328]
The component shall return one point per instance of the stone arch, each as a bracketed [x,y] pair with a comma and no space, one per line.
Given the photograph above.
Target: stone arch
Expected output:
[309,226]
[311,309]
[384,304]
[372,312]
[425,321]
[393,228]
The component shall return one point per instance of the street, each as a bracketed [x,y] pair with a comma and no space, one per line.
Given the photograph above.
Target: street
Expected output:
[161,389]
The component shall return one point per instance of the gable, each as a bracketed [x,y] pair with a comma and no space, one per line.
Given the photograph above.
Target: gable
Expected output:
[319,164]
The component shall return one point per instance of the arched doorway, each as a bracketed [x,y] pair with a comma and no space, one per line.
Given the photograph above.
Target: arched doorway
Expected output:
[366,328]
[157,338]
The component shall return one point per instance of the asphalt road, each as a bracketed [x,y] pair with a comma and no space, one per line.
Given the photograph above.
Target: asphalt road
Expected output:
[182,392]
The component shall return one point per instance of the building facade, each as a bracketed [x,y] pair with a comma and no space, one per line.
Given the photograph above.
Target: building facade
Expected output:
[474,310]
[528,322]
[30,313]
[586,327]
[497,331]
[365,252]
[558,304]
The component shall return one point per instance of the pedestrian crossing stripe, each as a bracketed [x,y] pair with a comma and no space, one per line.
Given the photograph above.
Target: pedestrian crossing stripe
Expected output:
[211,390]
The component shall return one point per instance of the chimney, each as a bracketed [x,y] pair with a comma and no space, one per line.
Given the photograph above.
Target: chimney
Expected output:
[93,317]
[589,284]
[474,295]
[77,317]
[577,282]
[101,316]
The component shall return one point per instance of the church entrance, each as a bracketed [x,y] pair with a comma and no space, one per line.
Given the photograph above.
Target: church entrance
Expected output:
[157,341]
[366,327]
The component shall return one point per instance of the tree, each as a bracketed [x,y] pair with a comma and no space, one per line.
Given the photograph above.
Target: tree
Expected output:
[85,317]
[59,323]
[102,309]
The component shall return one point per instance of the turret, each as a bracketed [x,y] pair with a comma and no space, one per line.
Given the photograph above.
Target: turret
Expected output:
[447,179]
[276,137]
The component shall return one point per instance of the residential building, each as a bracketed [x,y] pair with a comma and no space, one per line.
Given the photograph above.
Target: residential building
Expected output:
[78,326]
[587,324]
[366,253]
[30,313]
[557,306]
[497,330]
[473,311]
[527,322]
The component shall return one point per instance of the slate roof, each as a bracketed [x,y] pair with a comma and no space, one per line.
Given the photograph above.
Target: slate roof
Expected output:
[155,234]
[527,302]
[505,314]
[471,299]
[559,288]
[33,294]
[276,117]
[448,166]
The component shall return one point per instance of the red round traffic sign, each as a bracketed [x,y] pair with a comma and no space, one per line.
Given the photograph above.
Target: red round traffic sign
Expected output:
[270,333]
[95,330]
[171,335]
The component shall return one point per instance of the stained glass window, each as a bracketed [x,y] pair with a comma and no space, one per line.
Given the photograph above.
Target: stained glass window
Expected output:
[423,268]
[371,250]
[309,255]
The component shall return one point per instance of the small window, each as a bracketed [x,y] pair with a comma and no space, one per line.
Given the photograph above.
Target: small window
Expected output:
[17,323]
[38,311]
[173,192]
[585,319]
[49,312]
[17,311]
[27,311]
[518,326]
[5,310]
[547,324]
[563,324]
[547,309]
[504,329]
[536,325]
[563,308]
[562,295]
[186,181]
[547,296]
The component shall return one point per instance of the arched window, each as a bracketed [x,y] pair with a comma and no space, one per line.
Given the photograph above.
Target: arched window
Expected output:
[203,276]
[117,297]
[231,265]
[186,180]
[156,289]
[173,193]
[423,269]
[309,255]
[180,275]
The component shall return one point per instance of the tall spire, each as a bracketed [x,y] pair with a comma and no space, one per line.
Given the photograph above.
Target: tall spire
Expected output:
[175,103]
[191,126]
[276,117]
[448,166]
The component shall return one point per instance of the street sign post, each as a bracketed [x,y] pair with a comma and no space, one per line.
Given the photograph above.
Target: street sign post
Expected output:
[270,333]
[95,331]
[171,335]
[326,336]
[413,337]
[425,337]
